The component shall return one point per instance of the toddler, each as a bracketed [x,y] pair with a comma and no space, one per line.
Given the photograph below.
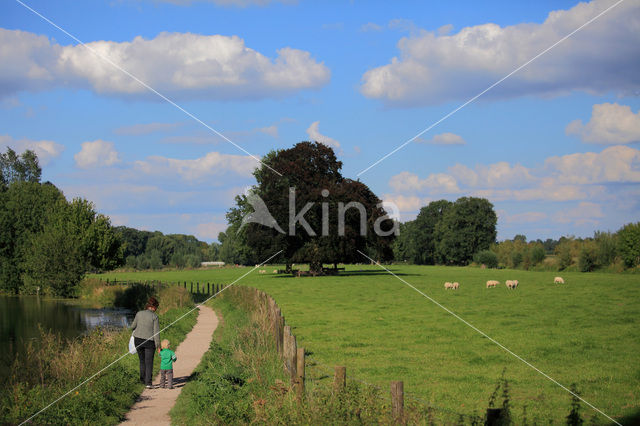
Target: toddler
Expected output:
[167,357]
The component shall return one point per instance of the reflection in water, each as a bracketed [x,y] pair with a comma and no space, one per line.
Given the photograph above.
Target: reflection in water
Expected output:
[22,317]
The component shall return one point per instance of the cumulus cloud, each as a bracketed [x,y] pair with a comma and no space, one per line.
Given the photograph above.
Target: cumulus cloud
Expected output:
[315,135]
[212,164]
[432,68]
[526,217]
[437,183]
[98,153]
[570,177]
[181,65]
[615,164]
[609,124]
[444,139]
[44,149]
[585,213]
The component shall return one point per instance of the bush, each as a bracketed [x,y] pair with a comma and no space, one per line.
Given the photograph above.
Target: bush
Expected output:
[487,258]
[537,255]
[629,244]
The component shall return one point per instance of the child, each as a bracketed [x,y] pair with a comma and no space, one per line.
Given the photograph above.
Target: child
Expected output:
[166,365]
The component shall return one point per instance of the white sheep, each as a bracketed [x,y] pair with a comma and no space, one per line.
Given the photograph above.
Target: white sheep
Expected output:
[492,283]
[512,284]
[448,285]
[558,280]
[455,286]
[275,271]
[262,271]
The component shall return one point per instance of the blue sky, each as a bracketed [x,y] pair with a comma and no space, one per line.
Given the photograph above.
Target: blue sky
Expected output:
[556,147]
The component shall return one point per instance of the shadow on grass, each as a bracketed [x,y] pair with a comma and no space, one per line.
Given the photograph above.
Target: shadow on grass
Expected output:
[361,273]
[134,297]
[632,419]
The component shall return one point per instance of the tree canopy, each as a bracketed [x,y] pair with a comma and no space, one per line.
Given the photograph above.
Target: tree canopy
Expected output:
[46,242]
[315,215]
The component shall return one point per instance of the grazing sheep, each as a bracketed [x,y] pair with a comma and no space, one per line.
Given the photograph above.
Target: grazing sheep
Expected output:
[262,271]
[558,280]
[492,283]
[275,271]
[512,284]
[455,286]
[448,285]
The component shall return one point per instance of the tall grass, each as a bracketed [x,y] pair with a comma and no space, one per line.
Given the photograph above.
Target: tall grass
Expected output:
[53,366]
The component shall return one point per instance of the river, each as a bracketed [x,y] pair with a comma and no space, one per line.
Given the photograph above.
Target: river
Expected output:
[23,315]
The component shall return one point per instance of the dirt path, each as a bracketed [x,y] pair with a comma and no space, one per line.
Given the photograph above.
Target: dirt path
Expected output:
[153,405]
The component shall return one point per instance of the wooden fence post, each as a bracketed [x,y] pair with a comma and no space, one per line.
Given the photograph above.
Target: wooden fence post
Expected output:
[340,378]
[300,371]
[208,292]
[292,359]
[397,401]
[286,347]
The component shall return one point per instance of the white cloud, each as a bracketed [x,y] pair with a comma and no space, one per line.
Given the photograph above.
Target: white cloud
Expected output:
[609,124]
[406,203]
[98,153]
[444,139]
[570,177]
[210,230]
[431,68]
[526,217]
[145,128]
[315,135]
[500,174]
[212,164]
[370,26]
[615,164]
[436,183]
[270,130]
[44,149]
[585,213]
[181,65]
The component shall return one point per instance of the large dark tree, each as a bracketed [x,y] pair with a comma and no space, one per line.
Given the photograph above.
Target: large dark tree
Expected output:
[466,228]
[307,203]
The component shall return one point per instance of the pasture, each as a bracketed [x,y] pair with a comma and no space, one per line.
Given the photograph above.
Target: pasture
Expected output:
[584,332]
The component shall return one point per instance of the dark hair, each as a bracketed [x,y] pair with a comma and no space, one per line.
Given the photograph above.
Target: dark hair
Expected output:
[152,303]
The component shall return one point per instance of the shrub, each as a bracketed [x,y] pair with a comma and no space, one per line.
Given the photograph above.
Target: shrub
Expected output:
[537,255]
[487,258]
[629,244]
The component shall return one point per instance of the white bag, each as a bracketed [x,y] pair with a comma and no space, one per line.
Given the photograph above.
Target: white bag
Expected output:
[132,345]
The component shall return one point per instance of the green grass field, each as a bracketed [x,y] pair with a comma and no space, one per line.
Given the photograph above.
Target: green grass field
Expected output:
[584,332]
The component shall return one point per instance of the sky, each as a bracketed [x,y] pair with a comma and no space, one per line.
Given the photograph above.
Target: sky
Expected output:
[156,110]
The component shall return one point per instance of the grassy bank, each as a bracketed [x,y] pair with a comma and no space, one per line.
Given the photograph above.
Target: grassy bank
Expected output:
[54,367]
[241,381]
[584,332]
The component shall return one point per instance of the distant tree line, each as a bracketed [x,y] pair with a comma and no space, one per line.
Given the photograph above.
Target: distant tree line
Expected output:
[47,243]
[154,250]
[611,251]
[447,233]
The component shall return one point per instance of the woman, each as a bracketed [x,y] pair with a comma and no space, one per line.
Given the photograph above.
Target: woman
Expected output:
[146,334]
